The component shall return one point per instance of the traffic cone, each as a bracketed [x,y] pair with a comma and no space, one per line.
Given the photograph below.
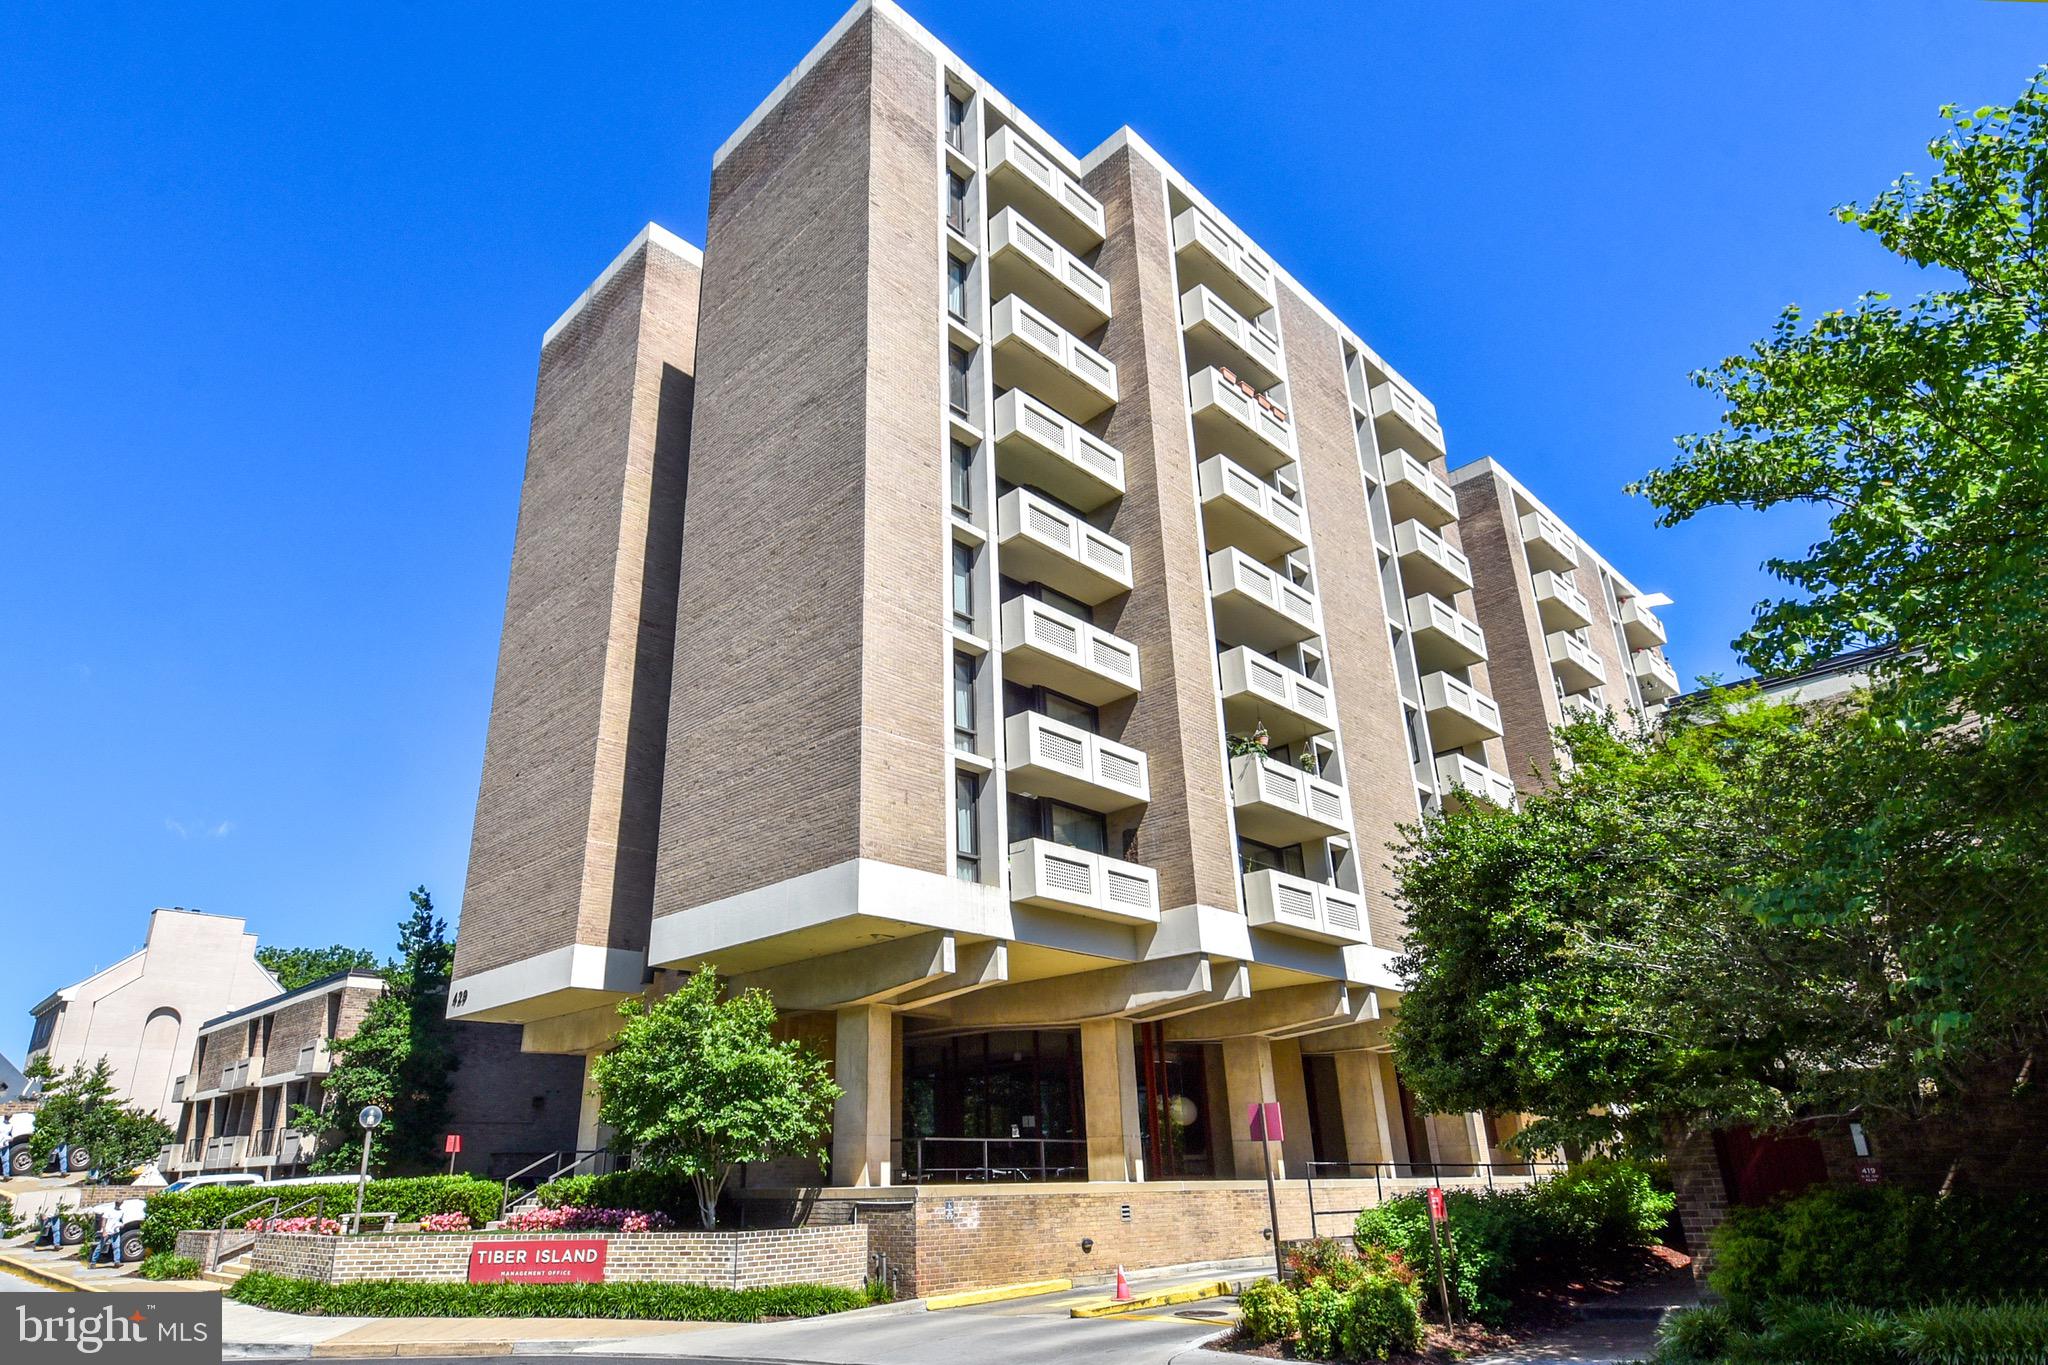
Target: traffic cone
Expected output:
[1123,1287]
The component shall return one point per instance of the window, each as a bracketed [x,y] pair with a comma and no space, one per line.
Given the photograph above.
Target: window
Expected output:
[967,826]
[963,478]
[1262,857]
[1018,699]
[965,726]
[956,202]
[1035,817]
[963,586]
[956,121]
[956,287]
[959,365]
[1059,601]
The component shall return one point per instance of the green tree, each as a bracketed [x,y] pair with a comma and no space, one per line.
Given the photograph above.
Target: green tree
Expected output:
[400,1057]
[80,1109]
[696,1085]
[296,967]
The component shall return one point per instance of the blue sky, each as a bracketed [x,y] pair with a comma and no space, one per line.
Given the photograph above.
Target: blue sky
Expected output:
[274,281]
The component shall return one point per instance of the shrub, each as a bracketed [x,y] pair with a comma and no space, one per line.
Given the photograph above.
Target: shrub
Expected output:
[167,1265]
[643,1191]
[575,1218]
[1602,1203]
[1320,1311]
[1268,1310]
[445,1222]
[411,1199]
[1694,1336]
[1801,1333]
[1382,1315]
[1318,1258]
[1952,1334]
[673,1302]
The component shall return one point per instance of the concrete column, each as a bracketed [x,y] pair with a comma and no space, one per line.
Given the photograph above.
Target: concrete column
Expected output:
[864,1065]
[589,1135]
[1248,1077]
[1365,1110]
[1290,1087]
[1482,1150]
[1389,1099]
[1109,1087]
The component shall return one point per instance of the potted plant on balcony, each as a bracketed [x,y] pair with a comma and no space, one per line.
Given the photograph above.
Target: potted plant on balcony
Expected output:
[1257,742]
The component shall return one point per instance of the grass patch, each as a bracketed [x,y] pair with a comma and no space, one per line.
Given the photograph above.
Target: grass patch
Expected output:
[168,1265]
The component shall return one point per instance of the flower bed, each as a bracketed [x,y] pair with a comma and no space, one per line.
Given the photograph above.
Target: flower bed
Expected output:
[319,1227]
[580,1218]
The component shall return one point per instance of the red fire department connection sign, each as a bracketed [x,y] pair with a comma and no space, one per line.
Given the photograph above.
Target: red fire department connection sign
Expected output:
[496,1260]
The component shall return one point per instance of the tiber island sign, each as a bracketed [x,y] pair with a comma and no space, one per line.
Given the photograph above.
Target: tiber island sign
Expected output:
[494,1260]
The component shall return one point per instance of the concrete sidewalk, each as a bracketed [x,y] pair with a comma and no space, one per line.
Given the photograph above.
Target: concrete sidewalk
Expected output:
[259,1334]
[63,1270]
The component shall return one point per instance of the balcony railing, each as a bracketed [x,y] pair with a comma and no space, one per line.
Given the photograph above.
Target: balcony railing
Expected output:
[1278,804]
[1296,905]
[1037,446]
[178,1089]
[1416,491]
[1576,663]
[1258,691]
[1559,603]
[1429,562]
[1399,410]
[1459,713]
[1210,255]
[223,1152]
[1024,259]
[1547,543]
[1233,418]
[1640,625]
[1034,352]
[1654,675]
[1046,757]
[1042,542]
[1020,174]
[1220,335]
[1456,772]
[236,1075]
[315,1059]
[1239,508]
[1057,877]
[1256,606]
[1045,647]
[1444,637]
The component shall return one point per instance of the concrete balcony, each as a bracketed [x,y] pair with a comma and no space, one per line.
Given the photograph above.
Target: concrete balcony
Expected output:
[223,1153]
[1230,418]
[1055,877]
[1034,352]
[1045,647]
[1456,773]
[169,1159]
[1417,492]
[263,1147]
[1025,260]
[1576,663]
[315,1059]
[1046,757]
[1042,542]
[237,1075]
[1458,713]
[1429,562]
[1258,691]
[1547,544]
[1218,334]
[1640,625]
[1443,636]
[1037,446]
[1296,905]
[1279,804]
[1402,419]
[1559,603]
[1211,256]
[1020,174]
[1256,606]
[1239,508]
[1581,706]
[178,1089]
[1654,675]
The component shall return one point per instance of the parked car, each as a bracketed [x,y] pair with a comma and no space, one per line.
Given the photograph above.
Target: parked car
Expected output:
[193,1182]
[14,1143]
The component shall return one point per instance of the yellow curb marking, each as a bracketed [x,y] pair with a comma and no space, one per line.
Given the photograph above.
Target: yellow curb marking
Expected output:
[1183,1293]
[995,1294]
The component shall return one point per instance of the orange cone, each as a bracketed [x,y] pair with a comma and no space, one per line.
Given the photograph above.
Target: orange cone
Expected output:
[1123,1286]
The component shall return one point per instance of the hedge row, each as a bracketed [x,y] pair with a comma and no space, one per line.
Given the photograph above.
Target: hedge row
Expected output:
[1793,1333]
[641,1191]
[411,1199]
[677,1302]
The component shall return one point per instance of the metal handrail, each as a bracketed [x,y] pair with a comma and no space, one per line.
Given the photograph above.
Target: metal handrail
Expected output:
[214,1251]
[580,1159]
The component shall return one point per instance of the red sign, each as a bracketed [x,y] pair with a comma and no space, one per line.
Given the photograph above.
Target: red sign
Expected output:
[452,1144]
[557,1260]
[1437,1212]
[1264,1121]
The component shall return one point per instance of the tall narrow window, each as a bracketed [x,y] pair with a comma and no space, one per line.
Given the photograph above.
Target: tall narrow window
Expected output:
[956,121]
[956,202]
[956,287]
[966,724]
[963,586]
[963,478]
[959,365]
[967,826]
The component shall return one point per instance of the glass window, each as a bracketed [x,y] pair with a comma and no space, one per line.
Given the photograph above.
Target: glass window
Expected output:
[956,203]
[956,287]
[963,478]
[959,365]
[1076,828]
[956,121]
[963,585]
[965,726]
[1066,709]
[967,826]
[1258,857]
[1059,601]
[1026,820]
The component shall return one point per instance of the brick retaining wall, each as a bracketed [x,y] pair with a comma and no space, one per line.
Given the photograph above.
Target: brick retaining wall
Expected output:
[735,1259]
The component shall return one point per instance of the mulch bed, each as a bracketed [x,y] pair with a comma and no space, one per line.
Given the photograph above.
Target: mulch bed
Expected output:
[1545,1309]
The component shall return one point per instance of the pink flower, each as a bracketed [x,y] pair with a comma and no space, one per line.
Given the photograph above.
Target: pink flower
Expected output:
[445,1222]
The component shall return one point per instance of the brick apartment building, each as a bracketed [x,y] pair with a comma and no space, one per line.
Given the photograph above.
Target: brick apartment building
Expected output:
[983,600]
[251,1067]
